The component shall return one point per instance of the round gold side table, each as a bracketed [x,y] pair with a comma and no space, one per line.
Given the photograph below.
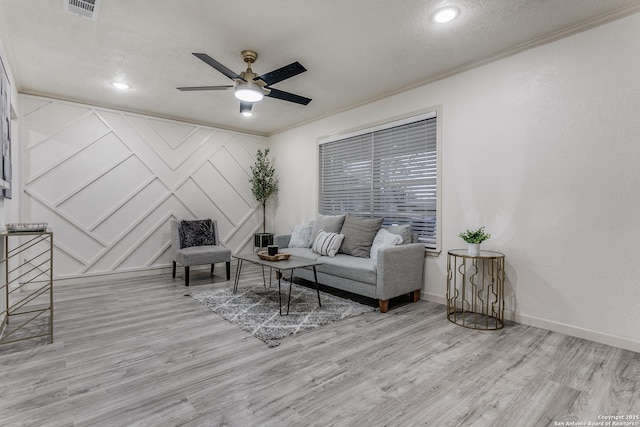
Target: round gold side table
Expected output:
[475,289]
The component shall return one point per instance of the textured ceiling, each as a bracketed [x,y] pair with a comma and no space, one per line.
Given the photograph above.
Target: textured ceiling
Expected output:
[354,52]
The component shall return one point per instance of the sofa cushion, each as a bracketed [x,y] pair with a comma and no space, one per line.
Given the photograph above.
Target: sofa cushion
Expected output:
[327,243]
[359,233]
[403,230]
[301,252]
[328,223]
[350,267]
[301,236]
[384,239]
[198,232]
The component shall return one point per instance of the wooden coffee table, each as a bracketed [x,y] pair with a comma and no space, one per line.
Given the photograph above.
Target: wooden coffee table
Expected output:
[289,264]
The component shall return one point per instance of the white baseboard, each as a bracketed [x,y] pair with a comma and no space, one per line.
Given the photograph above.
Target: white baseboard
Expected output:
[550,325]
[129,274]
[100,277]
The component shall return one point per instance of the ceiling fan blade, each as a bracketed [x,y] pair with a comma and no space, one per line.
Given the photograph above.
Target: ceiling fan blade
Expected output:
[204,88]
[218,66]
[245,107]
[282,73]
[286,96]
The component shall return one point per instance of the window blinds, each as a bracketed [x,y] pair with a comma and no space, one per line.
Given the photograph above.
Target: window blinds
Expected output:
[390,173]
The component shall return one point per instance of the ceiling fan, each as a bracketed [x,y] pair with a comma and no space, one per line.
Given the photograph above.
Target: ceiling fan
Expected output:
[250,87]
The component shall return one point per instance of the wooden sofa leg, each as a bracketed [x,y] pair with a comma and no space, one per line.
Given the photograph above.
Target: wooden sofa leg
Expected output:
[415,296]
[228,270]
[174,269]
[384,305]
[212,269]
[186,276]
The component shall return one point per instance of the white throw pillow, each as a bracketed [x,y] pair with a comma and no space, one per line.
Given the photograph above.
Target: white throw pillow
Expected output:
[384,239]
[327,244]
[301,236]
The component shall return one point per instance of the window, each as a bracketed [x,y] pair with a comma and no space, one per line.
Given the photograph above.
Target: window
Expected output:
[390,171]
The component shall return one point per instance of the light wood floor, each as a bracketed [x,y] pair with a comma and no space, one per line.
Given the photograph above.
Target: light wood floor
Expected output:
[140,353]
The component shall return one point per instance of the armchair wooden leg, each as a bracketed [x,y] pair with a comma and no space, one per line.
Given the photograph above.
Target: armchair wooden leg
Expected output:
[186,276]
[212,269]
[174,269]
[384,305]
[228,270]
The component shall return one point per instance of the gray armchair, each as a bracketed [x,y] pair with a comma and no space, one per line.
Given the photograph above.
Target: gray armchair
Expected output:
[199,254]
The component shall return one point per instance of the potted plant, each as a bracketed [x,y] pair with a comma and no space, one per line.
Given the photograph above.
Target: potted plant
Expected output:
[264,184]
[474,238]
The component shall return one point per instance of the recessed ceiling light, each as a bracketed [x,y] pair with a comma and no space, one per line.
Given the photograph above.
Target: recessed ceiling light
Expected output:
[446,14]
[247,113]
[120,85]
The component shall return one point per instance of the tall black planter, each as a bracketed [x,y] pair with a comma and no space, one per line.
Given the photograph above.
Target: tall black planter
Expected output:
[262,240]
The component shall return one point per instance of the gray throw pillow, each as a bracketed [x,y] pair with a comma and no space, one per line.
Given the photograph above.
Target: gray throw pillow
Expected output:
[198,232]
[301,236]
[328,223]
[358,234]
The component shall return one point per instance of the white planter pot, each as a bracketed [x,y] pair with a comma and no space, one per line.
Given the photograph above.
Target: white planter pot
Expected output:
[473,249]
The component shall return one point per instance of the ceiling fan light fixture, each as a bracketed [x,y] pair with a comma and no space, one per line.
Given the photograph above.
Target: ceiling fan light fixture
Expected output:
[248,92]
[245,109]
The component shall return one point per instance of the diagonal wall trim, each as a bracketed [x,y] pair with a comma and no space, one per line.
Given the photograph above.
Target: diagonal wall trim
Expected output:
[213,202]
[193,170]
[240,224]
[158,153]
[65,217]
[129,174]
[158,254]
[57,130]
[143,239]
[249,202]
[184,139]
[90,181]
[57,164]
[117,207]
[128,229]
[247,240]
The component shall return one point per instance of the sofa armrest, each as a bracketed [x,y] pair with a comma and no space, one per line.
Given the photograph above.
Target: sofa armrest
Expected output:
[400,270]
[282,240]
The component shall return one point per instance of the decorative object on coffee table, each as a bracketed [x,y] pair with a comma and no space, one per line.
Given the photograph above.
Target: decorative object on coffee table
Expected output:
[277,257]
[254,309]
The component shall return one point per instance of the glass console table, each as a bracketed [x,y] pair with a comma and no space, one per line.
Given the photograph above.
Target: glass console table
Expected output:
[475,289]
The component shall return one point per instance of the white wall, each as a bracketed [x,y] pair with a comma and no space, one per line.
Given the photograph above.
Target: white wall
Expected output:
[541,148]
[108,182]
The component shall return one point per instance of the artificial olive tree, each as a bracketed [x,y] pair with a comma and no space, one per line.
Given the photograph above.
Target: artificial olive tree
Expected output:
[264,182]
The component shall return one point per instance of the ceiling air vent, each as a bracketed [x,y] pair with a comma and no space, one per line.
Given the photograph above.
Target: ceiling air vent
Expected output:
[85,8]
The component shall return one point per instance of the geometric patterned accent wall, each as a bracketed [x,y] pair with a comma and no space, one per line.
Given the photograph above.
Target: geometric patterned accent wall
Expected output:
[108,182]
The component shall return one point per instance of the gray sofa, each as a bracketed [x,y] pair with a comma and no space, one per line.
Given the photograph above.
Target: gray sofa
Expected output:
[398,270]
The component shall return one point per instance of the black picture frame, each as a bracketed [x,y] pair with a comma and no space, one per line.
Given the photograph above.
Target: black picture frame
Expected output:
[5,134]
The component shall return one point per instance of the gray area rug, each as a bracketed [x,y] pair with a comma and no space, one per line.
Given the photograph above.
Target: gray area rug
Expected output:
[255,310]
